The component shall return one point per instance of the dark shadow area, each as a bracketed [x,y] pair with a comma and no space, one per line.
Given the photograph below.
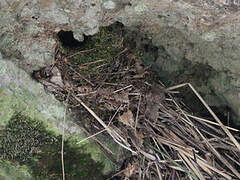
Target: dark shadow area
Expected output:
[141,44]
[67,39]
[157,57]
[194,105]
[226,115]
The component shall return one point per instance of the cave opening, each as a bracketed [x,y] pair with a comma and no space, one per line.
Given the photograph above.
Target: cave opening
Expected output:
[67,39]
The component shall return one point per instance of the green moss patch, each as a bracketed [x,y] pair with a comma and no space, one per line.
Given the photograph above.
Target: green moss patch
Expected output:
[25,141]
[97,52]
[13,171]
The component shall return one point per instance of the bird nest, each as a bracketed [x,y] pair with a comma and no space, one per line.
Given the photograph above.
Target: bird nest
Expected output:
[127,102]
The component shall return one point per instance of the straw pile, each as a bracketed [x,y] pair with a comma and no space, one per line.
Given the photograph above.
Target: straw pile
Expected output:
[182,146]
[176,145]
[147,120]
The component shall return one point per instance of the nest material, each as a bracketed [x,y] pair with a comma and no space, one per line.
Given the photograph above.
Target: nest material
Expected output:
[147,120]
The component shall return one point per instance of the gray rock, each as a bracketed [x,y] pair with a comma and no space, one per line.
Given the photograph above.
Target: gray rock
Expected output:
[109,5]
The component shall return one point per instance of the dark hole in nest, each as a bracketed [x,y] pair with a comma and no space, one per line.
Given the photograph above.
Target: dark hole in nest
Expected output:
[67,39]
[223,112]
[226,115]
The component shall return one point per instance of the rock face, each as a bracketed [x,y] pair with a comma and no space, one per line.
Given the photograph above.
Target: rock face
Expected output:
[27,42]
[193,41]
[186,35]
[196,41]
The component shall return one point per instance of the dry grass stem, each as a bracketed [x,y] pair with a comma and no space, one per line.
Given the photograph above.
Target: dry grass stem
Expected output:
[89,137]
[63,134]
[116,137]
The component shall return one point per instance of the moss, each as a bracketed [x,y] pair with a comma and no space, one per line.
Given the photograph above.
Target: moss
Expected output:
[26,142]
[78,165]
[6,103]
[96,153]
[13,171]
[98,50]
[20,136]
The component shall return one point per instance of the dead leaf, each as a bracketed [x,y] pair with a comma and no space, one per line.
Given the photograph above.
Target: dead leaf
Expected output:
[56,77]
[84,89]
[66,61]
[138,63]
[127,118]
[121,97]
[131,170]
[140,76]
[139,136]
[82,67]
[154,98]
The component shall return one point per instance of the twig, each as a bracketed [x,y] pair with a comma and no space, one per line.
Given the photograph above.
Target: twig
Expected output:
[210,122]
[63,133]
[129,86]
[211,112]
[81,76]
[116,137]
[91,136]
[158,171]
[80,52]
[114,115]
[216,118]
[214,151]
[94,62]
[138,108]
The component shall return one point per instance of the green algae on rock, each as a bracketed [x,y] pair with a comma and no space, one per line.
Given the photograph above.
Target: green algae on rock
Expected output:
[25,141]
[13,171]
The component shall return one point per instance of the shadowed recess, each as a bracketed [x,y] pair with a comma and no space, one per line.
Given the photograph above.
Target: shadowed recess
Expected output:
[67,39]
